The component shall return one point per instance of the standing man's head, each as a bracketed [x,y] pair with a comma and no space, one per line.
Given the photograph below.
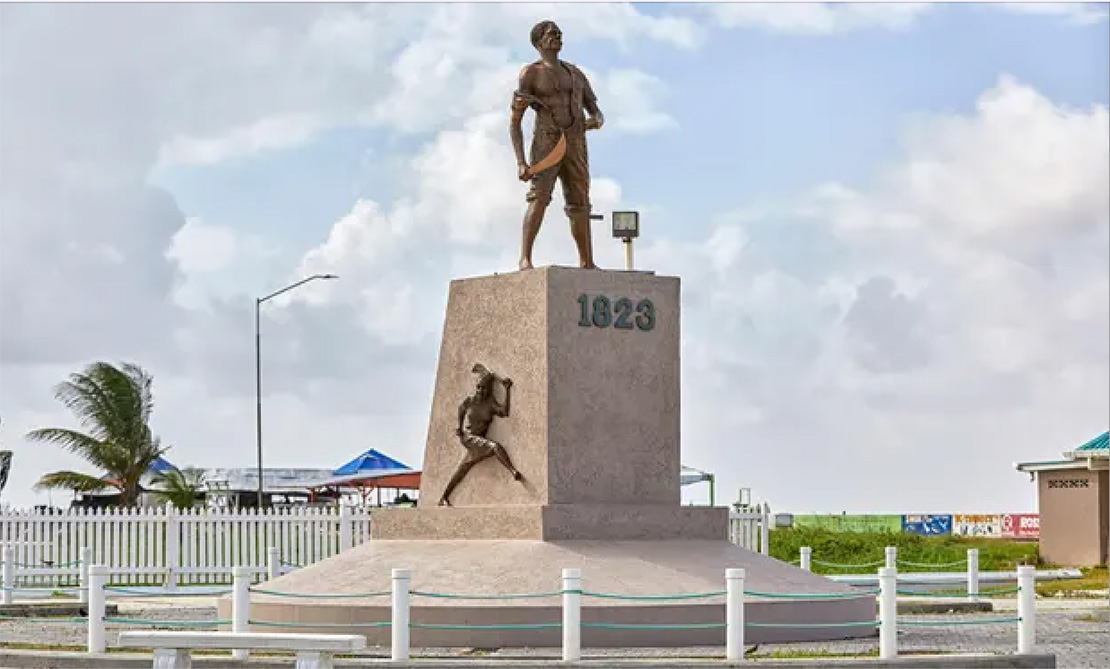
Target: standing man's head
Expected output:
[546,36]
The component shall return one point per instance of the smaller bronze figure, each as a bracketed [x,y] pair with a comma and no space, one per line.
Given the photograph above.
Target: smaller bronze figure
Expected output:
[476,413]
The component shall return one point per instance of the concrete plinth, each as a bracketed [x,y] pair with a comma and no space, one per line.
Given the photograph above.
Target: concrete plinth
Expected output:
[554,522]
[593,426]
[504,567]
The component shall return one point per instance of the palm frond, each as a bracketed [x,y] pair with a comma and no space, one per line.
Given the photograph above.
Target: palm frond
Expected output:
[114,405]
[181,487]
[78,443]
[75,481]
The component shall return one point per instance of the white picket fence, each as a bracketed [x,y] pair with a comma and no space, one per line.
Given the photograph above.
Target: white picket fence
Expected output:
[168,547]
[751,528]
[165,546]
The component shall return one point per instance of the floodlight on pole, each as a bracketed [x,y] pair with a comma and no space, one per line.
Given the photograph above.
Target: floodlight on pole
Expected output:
[626,227]
[258,365]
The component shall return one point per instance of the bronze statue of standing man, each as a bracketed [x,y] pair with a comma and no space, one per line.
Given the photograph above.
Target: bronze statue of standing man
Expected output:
[559,93]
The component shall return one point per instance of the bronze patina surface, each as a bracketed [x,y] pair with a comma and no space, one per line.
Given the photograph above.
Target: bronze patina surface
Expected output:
[561,96]
[476,413]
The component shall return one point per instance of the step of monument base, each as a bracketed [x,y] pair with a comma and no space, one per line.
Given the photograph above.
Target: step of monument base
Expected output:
[554,522]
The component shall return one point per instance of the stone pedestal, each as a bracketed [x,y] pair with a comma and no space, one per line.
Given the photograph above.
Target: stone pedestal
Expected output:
[594,428]
[594,413]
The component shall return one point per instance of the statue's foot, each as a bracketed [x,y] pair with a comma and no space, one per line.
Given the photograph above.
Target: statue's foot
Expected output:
[525,263]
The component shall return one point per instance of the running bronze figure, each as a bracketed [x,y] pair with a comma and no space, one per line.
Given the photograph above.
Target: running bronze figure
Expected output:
[476,413]
[559,93]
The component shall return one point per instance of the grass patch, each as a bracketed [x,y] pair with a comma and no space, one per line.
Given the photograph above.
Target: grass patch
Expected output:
[1094,578]
[864,547]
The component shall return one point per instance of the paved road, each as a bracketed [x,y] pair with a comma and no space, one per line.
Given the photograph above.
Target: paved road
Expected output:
[1076,631]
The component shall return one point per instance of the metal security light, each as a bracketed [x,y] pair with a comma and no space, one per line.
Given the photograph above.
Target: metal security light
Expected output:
[626,224]
[626,227]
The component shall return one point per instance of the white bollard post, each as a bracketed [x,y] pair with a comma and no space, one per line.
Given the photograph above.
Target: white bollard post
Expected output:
[83,586]
[807,558]
[572,615]
[240,606]
[1027,610]
[98,574]
[973,574]
[8,571]
[273,563]
[734,615]
[892,557]
[400,621]
[888,613]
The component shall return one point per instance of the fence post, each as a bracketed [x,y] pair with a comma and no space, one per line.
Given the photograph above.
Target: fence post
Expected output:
[973,574]
[734,614]
[1027,610]
[273,563]
[888,612]
[572,615]
[173,547]
[8,571]
[83,585]
[765,530]
[344,527]
[891,557]
[97,576]
[240,606]
[399,623]
[807,558]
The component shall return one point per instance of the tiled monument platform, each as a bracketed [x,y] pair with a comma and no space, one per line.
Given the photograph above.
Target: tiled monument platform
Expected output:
[593,427]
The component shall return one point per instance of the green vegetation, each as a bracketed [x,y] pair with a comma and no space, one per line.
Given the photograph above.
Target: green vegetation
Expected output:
[113,404]
[181,487]
[1094,578]
[857,548]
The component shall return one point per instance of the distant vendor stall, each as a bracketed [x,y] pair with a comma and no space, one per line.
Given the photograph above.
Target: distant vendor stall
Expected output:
[373,472]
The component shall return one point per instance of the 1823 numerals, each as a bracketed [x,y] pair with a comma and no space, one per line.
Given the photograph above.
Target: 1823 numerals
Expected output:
[621,313]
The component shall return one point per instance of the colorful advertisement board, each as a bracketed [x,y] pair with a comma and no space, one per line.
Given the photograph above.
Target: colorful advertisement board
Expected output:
[1020,525]
[977,525]
[927,524]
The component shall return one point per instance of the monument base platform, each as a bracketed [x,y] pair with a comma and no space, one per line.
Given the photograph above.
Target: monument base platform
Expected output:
[554,522]
[505,567]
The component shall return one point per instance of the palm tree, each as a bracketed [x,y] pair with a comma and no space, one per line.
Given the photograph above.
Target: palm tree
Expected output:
[113,404]
[181,487]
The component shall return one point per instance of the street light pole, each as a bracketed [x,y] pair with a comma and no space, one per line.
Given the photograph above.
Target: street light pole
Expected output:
[258,366]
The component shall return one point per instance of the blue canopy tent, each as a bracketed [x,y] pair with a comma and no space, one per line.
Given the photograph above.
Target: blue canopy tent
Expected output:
[160,466]
[372,463]
[371,470]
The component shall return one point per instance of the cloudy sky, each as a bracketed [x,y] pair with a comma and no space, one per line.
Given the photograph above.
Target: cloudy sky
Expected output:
[892,224]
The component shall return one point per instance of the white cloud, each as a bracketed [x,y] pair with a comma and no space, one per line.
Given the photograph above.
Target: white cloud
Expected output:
[959,312]
[818,18]
[1077,13]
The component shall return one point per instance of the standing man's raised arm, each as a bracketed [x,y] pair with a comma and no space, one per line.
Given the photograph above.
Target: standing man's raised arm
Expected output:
[521,100]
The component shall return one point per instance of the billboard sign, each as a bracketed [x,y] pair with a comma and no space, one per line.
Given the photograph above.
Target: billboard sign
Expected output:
[927,524]
[977,525]
[1020,525]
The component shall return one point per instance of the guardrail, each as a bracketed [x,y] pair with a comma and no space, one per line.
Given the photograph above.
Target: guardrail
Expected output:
[972,575]
[571,594]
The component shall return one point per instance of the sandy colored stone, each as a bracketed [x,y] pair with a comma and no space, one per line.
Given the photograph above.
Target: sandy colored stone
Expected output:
[512,567]
[553,522]
[595,410]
